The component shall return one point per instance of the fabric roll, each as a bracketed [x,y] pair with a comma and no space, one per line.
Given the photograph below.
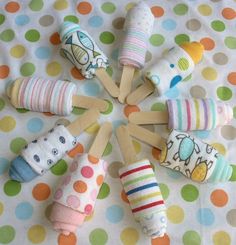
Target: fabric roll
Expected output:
[145,197]
[195,159]
[81,50]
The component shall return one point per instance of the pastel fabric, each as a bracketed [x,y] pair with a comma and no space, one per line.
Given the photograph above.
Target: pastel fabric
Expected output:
[197,114]
[195,159]
[81,50]
[144,197]
[170,69]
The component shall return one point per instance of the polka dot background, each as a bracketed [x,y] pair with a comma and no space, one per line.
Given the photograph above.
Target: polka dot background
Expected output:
[29,44]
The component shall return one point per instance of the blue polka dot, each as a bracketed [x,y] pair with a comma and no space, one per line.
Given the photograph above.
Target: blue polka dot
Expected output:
[34,125]
[43,52]
[22,20]
[205,216]
[95,21]
[91,88]
[172,93]
[117,123]
[203,134]
[24,210]
[115,54]
[4,163]
[114,214]
[169,24]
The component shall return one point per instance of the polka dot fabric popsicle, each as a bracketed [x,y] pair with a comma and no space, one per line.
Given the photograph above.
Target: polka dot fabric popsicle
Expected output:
[30,44]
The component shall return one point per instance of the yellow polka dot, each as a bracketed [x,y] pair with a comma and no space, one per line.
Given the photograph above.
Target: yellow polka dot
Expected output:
[220,148]
[7,124]
[36,234]
[204,9]
[221,237]
[53,69]
[175,214]
[17,51]
[209,73]
[60,4]
[137,146]
[1,208]
[89,217]
[129,6]
[93,129]
[129,236]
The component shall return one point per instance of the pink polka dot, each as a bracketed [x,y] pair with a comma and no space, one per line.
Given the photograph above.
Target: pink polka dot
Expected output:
[105,165]
[58,194]
[73,201]
[93,194]
[74,166]
[88,209]
[67,180]
[87,172]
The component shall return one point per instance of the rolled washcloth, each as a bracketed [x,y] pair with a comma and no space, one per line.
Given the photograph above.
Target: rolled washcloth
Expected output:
[195,159]
[76,195]
[137,31]
[145,197]
[174,66]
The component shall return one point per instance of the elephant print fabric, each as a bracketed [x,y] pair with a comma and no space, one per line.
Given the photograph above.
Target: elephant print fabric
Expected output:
[190,156]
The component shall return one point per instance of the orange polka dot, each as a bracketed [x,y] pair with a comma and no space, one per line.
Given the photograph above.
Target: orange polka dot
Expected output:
[219,197]
[80,186]
[124,197]
[67,240]
[84,7]
[165,240]
[76,150]
[12,7]
[93,159]
[99,180]
[76,74]
[130,108]
[41,192]
[208,43]
[55,38]
[4,71]
[228,13]
[232,78]
[156,153]
[48,114]
[157,11]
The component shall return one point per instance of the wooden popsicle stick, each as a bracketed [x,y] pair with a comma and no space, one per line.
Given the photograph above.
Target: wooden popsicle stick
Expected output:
[140,93]
[149,117]
[146,136]
[107,82]
[126,82]
[101,140]
[126,145]
[89,102]
[83,122]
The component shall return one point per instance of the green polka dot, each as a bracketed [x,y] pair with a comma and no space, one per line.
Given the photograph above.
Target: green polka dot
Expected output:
[78,111]
[158,107]
[164,190]
[2,104]
[36,5]
[218,25]
[181,38]
[224,93]
[234,112]
[110,108]
[189,193]
[2,19]
[181,9]
[233,176]
[7,234]
[7,35]
[108,7]
[230,42]
[98,236]
[187,78]
[104,191]
[22,110]
[27,69]
[156,39]
[109,70]
[108,149]
[12,188]
[191,238]
[17,145]
[1,208]
[107,37]
[32,35]
[71,18]
[183,64]
[60,168]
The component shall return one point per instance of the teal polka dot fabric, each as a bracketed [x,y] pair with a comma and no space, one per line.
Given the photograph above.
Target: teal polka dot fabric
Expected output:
[30,45]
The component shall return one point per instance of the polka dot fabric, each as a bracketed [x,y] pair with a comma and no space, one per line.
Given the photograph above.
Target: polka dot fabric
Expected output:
[30,44]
